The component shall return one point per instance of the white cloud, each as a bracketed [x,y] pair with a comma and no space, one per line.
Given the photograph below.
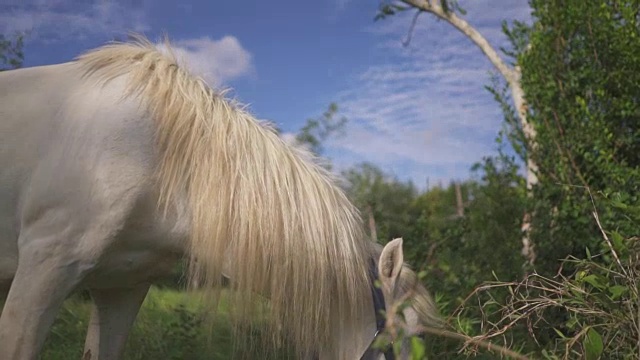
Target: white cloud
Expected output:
[422,110]
[216,61]
[54,20]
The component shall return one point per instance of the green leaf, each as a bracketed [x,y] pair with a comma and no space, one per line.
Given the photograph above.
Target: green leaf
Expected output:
[593,345]
[618,241]
[594,281]
[617,291]
[385,10]
[422,274]
[562,336]
[417,349]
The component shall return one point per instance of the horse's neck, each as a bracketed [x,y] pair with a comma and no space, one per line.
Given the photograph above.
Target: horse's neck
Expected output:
[344,342]
[348,343]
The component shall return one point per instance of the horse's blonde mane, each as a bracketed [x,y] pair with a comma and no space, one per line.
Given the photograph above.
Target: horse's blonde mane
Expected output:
[421,301]
[275,219]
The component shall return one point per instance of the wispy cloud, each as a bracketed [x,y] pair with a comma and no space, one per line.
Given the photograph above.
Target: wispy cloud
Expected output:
[55,20]
[341,4]
[216,61]
[422,110]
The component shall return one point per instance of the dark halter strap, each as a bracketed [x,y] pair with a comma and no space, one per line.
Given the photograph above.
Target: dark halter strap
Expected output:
[380,309]
[378,298]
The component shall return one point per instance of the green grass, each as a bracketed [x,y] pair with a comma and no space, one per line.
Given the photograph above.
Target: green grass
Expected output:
[167,327]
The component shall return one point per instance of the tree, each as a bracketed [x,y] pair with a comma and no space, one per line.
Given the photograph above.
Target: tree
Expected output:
[11,52]
[447,10]
[316,131]
[581,78]
[384,200]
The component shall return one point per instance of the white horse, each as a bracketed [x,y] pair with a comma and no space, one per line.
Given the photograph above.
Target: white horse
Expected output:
[115,165]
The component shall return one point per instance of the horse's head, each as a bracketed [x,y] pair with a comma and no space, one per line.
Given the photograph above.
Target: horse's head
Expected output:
[398,286]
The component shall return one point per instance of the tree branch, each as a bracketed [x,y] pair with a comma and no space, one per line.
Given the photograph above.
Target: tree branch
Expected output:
[434,7]
[414,21]
[512,77]
[478,341]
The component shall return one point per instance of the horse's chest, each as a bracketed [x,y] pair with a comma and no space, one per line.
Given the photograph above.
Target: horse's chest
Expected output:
[146,249]
[127,267]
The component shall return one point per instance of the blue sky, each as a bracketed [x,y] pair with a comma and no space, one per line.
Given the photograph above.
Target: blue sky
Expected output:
[418,112]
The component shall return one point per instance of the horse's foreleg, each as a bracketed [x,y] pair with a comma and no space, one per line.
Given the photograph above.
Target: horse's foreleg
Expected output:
[112,316]
[45,276]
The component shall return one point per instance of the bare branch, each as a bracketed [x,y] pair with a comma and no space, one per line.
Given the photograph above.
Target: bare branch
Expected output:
[434,7]
[414,21]
[474,341]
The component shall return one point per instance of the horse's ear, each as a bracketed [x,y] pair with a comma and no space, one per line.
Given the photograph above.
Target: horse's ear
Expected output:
[390,263]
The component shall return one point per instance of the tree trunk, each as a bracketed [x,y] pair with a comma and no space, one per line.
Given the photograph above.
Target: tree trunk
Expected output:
[372,224]
[512,77]
[459,203]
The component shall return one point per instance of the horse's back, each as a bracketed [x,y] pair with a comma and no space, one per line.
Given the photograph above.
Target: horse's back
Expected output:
[28,99]
[74,156]
[26,104]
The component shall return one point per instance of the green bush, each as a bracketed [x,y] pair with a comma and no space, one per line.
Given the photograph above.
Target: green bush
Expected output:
[591,313]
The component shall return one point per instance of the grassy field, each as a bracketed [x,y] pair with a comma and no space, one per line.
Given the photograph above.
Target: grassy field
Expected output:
[167,328]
